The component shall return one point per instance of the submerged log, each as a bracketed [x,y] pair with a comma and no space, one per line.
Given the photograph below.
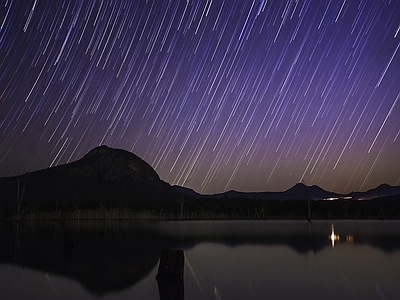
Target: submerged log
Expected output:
[170,275]
[171,263]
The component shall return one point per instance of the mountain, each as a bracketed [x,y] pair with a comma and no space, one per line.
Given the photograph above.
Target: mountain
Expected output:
[108,164]
[299,191]
[384,190]
[110,183]
[105,177]
[186,191]
[302,191]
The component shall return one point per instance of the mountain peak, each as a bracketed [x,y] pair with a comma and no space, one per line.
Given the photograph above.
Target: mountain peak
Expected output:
[99,149]
[110,164]
[384,185]
[104,176]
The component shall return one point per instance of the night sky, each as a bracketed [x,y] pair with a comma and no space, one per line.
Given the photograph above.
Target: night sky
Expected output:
[215,95]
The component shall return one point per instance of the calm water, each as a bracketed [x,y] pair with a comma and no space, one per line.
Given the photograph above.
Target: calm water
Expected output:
[223,260]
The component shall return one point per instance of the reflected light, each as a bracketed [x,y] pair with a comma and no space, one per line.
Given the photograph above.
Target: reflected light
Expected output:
[333,237]
[216,293]
[50,282]
[196,279]
[350,238]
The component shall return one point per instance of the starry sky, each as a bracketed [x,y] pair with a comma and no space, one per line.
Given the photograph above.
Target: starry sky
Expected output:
[215,95]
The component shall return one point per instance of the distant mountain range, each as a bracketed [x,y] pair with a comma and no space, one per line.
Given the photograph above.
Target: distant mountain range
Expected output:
[117,184]
[299,191]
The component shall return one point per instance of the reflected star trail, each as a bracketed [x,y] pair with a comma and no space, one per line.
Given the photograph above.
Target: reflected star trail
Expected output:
[214,95]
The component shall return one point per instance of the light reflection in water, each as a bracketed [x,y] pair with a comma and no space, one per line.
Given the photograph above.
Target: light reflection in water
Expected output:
[333,237]
[216,293]
[350,238]
[53,288]
[193,275]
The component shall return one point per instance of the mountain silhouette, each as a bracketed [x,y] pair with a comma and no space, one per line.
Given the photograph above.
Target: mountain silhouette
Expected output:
[299,191]
[104,177]
[383,190]
[115,183]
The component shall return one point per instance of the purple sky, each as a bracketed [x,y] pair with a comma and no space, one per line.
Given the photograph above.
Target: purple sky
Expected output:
[214,95]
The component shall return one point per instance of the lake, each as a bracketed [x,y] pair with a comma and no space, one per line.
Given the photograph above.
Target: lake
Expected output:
[222,260]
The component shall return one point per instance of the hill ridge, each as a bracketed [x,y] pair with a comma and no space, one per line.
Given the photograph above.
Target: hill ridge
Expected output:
[300,191]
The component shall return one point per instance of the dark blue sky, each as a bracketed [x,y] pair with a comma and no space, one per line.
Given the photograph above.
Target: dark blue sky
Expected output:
[214,95]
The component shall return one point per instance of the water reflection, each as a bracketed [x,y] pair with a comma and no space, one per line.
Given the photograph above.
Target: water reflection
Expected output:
[102,264]
[333,237]
[222,260]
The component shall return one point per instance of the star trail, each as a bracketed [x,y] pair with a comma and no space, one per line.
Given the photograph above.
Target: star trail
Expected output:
[215,95]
